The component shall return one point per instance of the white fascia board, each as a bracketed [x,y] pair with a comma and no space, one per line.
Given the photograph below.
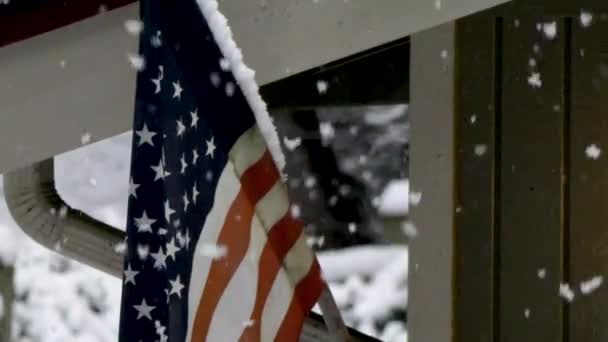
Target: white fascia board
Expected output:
[45,108]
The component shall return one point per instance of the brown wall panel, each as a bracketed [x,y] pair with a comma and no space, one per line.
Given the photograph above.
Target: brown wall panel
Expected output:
[531,156]
[589,179]
[474,238]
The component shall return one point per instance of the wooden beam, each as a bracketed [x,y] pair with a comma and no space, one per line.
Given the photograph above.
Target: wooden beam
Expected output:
[475,242]
[25,19]
[587,245]
[432,82]
[377,76]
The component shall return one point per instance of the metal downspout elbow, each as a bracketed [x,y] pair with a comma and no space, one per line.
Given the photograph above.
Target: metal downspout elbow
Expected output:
[43,215]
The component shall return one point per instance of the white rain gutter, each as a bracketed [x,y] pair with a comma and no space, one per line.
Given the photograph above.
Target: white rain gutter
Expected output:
[42,214]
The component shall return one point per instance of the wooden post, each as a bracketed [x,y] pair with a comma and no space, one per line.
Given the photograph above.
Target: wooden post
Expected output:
[518,207]
[7,296]
[430,309]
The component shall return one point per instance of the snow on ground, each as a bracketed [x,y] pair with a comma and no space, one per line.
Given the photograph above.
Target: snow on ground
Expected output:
[61,300]
[369,284]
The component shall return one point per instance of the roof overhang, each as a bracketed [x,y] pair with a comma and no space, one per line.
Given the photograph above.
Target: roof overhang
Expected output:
[60,80]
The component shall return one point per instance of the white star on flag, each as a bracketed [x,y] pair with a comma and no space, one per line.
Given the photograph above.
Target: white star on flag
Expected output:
[160,259]
[177,90]
[130,275]
[144,310]
[160,171]
[194,193]
[186,201]
[184,163]
[194,156]
[168,212]
[157,81]
[133,188]
[210,148]
[145,136]
[172,249]
[144,223]
[176,287]
[194,116]
[181,128]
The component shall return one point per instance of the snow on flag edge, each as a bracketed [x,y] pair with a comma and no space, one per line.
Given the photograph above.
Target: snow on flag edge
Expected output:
[244,76]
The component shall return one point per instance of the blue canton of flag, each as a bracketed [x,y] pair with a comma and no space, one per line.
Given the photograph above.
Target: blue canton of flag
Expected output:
[212,251]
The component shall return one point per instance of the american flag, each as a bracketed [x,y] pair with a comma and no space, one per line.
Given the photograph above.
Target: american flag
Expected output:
[213,253]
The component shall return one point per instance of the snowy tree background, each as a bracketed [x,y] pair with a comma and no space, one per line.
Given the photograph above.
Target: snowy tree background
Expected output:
[57,299]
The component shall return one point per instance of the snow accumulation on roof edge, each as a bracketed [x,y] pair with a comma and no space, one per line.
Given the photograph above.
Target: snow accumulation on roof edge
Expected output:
[244,76]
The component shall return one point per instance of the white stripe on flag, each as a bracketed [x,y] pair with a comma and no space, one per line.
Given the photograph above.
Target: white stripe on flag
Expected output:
[226,191]
[237,301]
[248,149]
[272,207]
[283,288]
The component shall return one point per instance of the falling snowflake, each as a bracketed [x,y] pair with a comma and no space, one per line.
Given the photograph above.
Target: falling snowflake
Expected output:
[409,229]
[134,26]
[352,227]
[63,211]
[333,200]
[437,4]
[480,149]
[120,248]
[230,89]
[143,251]
[444,54]
[591,285]
[224,64]
[527,313]
[415,198]
[292,144]
[593,152]
[586,18]
[215,79]
[312,241]
[542,273]
[249,323]
[63,63]
[295,210]
[473,119]
[213,251]
[85,138]
[137,61]
[156,40]
[550,29]
[566,292]
[534,80]
[327,130]
[310,182]
[322,87]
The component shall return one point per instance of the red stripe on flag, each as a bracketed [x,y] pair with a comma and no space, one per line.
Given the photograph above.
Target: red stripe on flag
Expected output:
[281,238]
[235,235]
[306,295]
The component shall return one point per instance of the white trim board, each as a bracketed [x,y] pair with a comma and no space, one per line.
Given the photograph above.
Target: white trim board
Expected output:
[45,108]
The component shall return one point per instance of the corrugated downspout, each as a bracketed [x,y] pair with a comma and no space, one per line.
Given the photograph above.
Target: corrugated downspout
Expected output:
[42,214]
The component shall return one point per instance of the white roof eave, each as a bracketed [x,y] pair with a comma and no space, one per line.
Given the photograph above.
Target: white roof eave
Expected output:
[58,85]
